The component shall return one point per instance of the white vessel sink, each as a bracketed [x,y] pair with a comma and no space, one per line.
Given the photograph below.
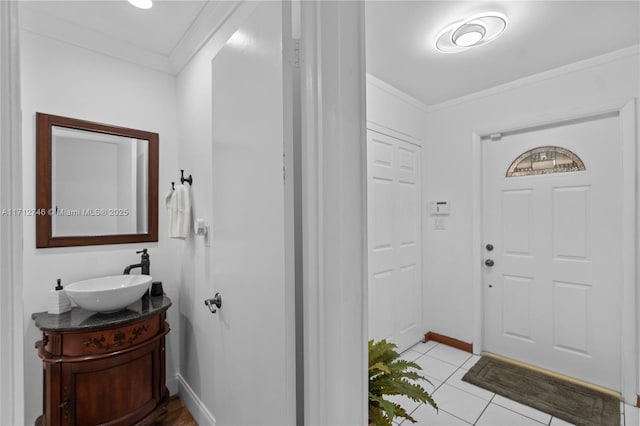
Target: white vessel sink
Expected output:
[108,294]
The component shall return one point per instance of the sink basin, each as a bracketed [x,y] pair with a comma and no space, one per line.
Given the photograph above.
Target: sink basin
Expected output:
[108,294]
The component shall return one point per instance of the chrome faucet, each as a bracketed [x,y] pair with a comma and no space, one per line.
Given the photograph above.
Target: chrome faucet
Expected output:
[143,265]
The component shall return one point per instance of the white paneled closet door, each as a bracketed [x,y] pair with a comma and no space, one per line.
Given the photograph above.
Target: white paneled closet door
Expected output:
[395,240]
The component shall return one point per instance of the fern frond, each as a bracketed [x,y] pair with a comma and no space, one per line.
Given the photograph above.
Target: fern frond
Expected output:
[381,367]
[382,351]
[387,407]
[376,417]
[391,375]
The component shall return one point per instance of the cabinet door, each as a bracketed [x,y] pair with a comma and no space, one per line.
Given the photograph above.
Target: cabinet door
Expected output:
[118,390]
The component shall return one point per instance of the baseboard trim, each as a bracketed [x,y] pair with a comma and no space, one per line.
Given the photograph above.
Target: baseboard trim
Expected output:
[195,406]
[449,341]
[172,385]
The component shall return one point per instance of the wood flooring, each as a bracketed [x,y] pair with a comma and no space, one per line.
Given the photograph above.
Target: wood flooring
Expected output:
[178,415]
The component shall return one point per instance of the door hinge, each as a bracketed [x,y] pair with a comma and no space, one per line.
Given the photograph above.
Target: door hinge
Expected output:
[296,52]
[284,167]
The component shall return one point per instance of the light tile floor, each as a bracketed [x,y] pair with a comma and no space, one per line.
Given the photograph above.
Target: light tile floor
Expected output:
[461,403]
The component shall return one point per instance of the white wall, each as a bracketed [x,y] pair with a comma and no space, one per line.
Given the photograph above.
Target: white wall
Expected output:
[449,267]
[394,112]
[62,79]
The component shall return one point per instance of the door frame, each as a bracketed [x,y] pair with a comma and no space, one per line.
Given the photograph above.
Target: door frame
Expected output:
[12,401]
[333,209]
[630,324]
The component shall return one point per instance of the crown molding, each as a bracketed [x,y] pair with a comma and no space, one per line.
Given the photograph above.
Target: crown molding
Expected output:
[383,85]
[545,75]
[70,33]
[210,19]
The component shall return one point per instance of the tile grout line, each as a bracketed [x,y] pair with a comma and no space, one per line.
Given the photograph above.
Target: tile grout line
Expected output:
[485,409]
[450,363]
[448,377]
[434,387]
[462,390]
[459,418]
[459,367]
[522,414]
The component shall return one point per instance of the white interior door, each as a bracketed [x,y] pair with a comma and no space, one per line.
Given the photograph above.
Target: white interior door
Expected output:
[553,295]
[395,242]
[252,367]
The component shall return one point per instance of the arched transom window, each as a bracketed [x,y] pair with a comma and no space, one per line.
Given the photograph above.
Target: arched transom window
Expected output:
[545,160]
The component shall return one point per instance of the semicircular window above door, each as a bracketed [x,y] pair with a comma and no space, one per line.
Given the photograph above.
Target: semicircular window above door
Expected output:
[545,160]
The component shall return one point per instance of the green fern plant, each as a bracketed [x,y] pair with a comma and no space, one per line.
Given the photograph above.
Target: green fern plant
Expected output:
[391,375]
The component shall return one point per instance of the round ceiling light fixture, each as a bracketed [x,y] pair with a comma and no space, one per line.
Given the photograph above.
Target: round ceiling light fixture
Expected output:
[142,4]
[474,31]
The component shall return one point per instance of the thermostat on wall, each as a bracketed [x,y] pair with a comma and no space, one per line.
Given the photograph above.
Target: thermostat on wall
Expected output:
[439,207]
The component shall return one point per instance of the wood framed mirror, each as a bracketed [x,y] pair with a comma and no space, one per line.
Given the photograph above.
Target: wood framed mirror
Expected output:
[95,183]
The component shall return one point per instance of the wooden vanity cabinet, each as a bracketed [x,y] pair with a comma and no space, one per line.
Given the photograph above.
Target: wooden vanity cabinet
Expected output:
[110,375]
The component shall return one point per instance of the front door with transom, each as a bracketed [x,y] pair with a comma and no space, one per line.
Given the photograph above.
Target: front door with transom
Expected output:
[552,200]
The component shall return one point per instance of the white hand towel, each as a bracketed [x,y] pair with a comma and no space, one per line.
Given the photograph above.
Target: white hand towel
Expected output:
[167,202]
[179,212]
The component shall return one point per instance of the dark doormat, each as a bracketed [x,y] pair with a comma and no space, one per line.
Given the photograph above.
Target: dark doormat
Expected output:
[568,401]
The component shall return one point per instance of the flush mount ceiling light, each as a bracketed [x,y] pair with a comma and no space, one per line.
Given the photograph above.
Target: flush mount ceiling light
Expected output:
[142,4]
[473,31]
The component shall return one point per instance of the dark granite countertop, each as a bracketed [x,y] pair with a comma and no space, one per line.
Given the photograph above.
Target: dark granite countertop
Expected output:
[81,319]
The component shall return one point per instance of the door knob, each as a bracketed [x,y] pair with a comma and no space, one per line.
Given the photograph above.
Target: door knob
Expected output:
[214,303]
[489,262]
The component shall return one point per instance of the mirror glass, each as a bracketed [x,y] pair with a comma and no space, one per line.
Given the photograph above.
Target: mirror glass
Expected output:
[97,183]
